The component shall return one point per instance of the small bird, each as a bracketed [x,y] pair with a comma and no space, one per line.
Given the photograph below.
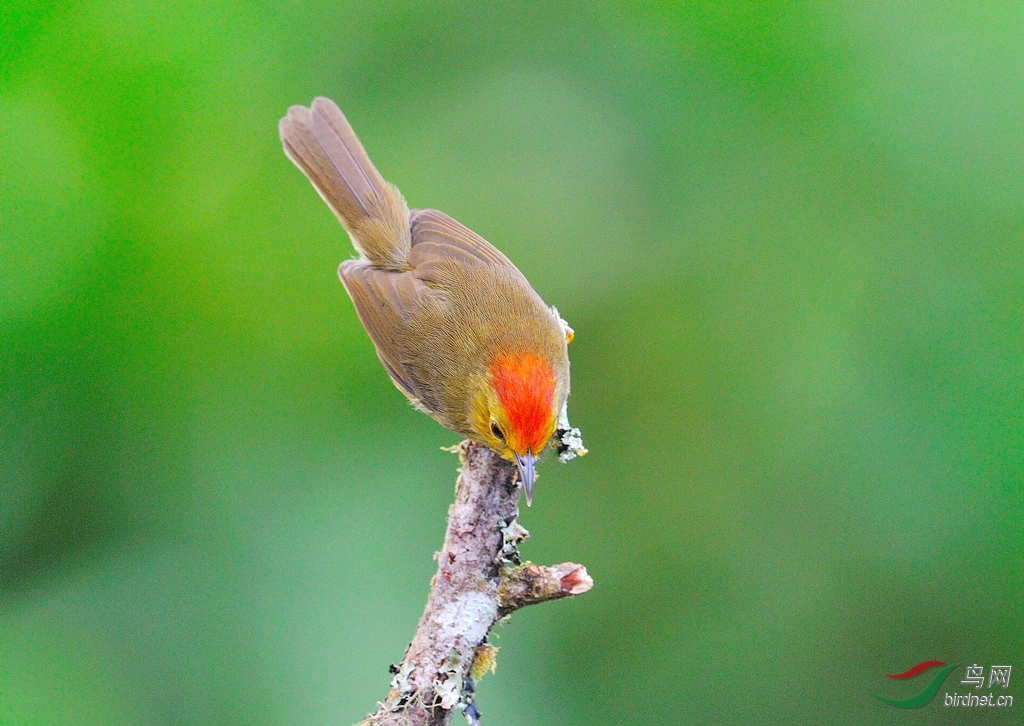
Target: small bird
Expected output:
[456,325]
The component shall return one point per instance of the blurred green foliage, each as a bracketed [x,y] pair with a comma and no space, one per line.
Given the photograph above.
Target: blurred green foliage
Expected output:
[788,235]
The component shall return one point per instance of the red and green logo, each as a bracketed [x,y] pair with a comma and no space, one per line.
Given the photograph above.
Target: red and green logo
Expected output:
[929,691]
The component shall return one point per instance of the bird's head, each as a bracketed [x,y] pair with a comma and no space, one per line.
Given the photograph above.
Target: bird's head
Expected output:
[517,410]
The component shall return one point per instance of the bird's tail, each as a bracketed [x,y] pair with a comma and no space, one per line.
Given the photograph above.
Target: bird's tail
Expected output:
[320,141]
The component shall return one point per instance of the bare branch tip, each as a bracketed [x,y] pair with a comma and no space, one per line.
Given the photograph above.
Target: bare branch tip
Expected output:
[577,582]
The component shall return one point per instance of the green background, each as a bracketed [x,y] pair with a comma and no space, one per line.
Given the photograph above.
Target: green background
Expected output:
[788,235]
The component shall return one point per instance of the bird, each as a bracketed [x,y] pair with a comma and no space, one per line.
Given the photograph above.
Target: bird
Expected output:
[458,328]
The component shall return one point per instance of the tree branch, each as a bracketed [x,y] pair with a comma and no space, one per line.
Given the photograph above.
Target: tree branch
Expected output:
[479,580]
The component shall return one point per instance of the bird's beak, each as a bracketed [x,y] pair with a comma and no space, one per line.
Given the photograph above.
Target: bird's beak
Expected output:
[525,464]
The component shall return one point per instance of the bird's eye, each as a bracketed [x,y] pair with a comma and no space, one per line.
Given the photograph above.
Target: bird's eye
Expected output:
[497,431]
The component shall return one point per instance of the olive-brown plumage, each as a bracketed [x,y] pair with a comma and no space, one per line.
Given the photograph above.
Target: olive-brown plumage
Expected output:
[457,327]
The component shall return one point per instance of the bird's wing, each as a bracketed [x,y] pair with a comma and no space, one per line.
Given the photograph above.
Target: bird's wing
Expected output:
[436,236]
[385,301]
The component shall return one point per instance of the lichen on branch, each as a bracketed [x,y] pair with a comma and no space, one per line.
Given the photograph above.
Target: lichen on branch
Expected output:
[480,579]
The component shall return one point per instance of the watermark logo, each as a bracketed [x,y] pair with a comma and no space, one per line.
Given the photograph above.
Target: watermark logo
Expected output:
[929,691]
[998,675]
